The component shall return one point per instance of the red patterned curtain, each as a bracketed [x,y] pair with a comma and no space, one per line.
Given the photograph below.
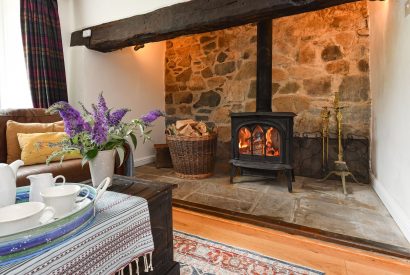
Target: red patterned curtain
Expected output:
[43,50]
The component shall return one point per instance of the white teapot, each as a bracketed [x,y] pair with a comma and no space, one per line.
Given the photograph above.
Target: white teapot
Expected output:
[8,175]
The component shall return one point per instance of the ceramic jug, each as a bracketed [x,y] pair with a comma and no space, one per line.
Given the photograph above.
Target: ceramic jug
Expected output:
[40,182]
[8,175]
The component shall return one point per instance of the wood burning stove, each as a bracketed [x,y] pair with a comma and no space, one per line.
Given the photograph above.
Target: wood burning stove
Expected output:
[262,142]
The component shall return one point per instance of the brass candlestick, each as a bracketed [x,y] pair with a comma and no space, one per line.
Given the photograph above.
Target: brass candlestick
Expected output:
[341,168]
[325,114]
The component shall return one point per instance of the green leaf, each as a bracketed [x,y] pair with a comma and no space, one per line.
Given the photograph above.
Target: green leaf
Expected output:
[91,153]
[84,161]
[134,140]
[121,154]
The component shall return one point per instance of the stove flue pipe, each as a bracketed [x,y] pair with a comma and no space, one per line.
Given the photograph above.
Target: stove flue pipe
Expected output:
[264,67]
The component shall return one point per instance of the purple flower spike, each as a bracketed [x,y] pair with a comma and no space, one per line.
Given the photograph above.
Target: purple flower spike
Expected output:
[73,121]
[102,105]
[115,118]
[151,116]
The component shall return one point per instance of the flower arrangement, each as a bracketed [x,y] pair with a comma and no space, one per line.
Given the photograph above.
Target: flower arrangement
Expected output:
[99,130]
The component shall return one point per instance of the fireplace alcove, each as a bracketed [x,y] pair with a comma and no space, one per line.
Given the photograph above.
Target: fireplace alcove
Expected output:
[312,201]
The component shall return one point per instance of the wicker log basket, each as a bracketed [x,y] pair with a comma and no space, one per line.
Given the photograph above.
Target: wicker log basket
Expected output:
[193,157]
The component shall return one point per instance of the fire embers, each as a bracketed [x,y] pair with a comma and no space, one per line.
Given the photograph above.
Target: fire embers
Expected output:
[259,142]
[245,141]
[272,142]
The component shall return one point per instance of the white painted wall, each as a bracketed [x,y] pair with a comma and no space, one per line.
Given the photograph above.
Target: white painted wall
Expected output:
[128,79]
[390,85]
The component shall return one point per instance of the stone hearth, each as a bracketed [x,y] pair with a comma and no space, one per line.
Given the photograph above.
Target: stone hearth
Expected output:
[313,204]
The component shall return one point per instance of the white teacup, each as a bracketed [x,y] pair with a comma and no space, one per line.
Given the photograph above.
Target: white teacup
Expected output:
[63,198]
[23,216]
[40,182]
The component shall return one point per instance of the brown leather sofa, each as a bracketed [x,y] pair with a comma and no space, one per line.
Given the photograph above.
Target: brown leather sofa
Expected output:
[70,169]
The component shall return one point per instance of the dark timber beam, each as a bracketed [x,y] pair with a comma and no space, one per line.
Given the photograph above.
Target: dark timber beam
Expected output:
[195,16]
[264,67]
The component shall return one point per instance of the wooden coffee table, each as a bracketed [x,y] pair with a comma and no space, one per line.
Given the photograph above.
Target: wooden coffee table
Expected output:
[159,197]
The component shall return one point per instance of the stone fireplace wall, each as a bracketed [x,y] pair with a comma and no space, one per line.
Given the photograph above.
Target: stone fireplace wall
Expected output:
[314,55]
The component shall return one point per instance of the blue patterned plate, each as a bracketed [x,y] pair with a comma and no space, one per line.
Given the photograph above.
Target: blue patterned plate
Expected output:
[43,237]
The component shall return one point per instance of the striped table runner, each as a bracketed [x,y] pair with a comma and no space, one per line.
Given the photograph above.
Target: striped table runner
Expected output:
[119,235]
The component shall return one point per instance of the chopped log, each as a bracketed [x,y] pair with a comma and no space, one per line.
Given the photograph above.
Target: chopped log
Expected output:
[192,17]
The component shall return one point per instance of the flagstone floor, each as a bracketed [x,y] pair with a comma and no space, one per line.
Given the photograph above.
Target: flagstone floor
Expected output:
[315,204]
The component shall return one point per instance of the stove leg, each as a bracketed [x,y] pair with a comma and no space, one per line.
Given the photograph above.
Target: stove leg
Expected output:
[289,174]
[293,175]
[233,170]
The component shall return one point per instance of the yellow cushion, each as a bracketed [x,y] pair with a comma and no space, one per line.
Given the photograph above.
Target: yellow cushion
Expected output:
[13,127]
[37,147]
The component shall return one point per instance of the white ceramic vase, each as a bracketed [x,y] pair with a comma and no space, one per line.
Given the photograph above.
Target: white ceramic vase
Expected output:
[102,166]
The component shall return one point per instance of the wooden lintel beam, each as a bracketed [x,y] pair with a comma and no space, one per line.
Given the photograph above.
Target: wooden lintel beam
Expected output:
[195,16]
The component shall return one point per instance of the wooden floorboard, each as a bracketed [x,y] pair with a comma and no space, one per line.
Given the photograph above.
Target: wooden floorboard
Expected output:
[323,256]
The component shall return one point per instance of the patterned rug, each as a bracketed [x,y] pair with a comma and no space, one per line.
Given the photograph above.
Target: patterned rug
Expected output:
[199,256]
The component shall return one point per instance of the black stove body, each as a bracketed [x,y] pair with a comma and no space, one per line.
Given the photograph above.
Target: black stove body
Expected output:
[262,144]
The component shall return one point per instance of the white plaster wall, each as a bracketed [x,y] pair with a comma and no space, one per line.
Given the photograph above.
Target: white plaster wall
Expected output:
[128,79]
[390,85]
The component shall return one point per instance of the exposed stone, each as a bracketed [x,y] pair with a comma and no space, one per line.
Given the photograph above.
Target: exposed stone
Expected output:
[250,106]
[275,88]
[338,67]
[319,86]
[184,110]
[168,98]
[331,52]
[247,70]
[290,103]
[206,38]
[236,90]
[183,97]
[201,118]
[237,107]
[224,133]
[171,88]
[170,110]
[225,68]
[303,72]
[196,83]
[210,46]
[185,61]
[185,75]
[279,59]
[290,88]
[207,73]
[216,82]
[279,74]
[221,57]
[210,98]
[363,65]
[346,40]
[252,89]
[221,115]
[171,64]
[307,55]
[310,123]
[354,88]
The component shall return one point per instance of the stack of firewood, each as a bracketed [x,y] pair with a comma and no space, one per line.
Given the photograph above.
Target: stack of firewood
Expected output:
[189,128]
